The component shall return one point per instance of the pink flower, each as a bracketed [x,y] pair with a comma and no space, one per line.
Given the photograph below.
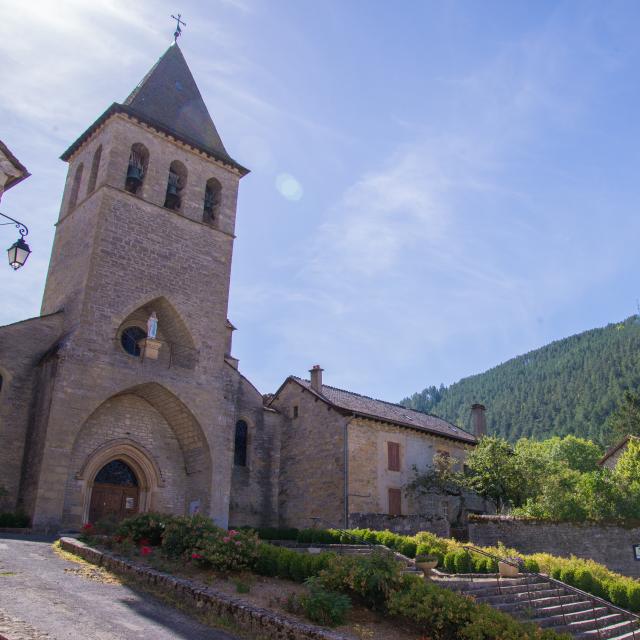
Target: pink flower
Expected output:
[233,532]
[238,543]
[226,539]
[145,551]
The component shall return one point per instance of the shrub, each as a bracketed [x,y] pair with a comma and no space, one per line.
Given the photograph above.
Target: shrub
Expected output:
[327,608]
[408,548]
[181,535]
[618,594]
[567,574]
[633,596]
[227,550]
[555,572]
[145,526]
[15,519]
[285,563]
[531,565]
[373,578]
[462,562]
[450,562]
[583,579]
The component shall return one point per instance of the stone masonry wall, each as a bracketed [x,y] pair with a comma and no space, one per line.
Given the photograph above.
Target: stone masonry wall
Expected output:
[607,544]
[254,495]
[113,254]
[132,418]
[22,346]
[369,474]
[405,525]
[311,460]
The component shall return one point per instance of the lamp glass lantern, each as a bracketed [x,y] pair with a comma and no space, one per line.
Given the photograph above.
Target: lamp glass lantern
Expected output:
[18,253]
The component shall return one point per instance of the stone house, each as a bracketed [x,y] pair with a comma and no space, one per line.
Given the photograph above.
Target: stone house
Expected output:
[123,395]
[611,457]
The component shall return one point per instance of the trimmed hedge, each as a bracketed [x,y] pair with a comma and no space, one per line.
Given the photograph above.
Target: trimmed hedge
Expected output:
[15,520]
[586,575]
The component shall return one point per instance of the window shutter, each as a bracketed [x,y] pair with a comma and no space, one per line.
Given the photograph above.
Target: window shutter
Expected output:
[393,456]
[395,502]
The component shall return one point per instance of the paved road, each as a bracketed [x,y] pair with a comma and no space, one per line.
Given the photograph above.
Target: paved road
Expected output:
[39,599]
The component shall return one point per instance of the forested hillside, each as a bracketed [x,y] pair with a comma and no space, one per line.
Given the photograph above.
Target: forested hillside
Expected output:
[567,387]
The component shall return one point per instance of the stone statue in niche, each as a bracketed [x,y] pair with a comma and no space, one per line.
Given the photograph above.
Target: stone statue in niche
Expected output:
[152,326]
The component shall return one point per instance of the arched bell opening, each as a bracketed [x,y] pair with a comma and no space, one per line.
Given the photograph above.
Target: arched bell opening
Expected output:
[115,494]
[176,182]
[212,201]
[136,168]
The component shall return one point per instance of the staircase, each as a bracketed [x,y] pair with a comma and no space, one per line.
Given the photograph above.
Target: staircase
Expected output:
[549,604]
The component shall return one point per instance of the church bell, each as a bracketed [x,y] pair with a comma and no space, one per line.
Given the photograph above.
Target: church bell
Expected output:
[134,177]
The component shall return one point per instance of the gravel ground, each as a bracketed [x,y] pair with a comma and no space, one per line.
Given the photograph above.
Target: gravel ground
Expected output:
[45,597]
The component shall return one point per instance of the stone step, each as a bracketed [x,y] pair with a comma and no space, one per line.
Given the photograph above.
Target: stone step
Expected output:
[592,615]
[547,606]
[503,598]
[603,628]
[627,636]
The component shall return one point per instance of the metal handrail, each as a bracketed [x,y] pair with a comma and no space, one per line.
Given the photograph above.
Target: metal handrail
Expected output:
[564,586]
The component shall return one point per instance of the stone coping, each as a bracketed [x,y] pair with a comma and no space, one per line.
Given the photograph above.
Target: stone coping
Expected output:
[262,622]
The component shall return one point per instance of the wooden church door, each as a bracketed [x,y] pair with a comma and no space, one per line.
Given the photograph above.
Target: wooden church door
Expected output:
[115,493]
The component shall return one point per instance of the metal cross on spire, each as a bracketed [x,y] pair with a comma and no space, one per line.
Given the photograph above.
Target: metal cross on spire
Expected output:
[177,33]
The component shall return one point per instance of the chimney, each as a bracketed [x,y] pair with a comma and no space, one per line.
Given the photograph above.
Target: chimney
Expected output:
[316,377]
[478,420]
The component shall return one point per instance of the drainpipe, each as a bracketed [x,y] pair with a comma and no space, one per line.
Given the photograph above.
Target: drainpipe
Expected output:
[346,474]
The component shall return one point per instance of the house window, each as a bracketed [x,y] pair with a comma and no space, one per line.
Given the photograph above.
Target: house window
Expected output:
[240,448]
[75,188]
[395,502]
[393,456]
[295,411]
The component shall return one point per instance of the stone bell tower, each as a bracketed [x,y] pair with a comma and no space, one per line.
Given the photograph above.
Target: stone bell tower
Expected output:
[143,244]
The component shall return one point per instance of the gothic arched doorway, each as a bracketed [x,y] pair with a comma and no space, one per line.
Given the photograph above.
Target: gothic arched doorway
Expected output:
[115,493]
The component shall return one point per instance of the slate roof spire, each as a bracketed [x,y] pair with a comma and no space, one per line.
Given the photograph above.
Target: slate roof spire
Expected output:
[168,99]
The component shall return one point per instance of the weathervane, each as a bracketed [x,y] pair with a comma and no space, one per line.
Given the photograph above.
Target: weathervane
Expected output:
[178,30]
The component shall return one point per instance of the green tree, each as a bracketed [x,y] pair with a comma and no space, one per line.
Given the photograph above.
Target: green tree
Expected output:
[493,472]
[625,420]
[577,453]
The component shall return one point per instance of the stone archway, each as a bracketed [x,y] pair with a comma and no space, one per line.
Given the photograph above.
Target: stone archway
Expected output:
[142,466]
[115,493]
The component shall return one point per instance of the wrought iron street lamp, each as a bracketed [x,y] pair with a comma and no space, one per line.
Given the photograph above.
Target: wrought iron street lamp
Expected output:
[19,251]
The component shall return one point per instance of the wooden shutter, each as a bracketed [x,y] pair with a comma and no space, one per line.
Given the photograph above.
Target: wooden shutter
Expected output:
[393,455]
[395,502]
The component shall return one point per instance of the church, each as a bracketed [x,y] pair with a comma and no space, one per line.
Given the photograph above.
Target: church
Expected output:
[123,395]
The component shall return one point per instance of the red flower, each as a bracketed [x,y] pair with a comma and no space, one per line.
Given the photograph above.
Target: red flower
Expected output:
[196,556]
[144,542]
[145,550]
[87,527]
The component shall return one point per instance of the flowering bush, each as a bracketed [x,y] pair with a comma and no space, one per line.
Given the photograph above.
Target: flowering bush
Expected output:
[226,550]
[181,535]
[145,526]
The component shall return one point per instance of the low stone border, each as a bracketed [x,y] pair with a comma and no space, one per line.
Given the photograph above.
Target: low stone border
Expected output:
[18,530]
[248,617]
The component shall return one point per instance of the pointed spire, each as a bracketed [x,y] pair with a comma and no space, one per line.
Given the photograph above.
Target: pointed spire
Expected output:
[168,99]
[168,95]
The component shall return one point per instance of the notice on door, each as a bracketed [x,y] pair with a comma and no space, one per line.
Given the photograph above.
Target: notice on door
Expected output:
[129,503]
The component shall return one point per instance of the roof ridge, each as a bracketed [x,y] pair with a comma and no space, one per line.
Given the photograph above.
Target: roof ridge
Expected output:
[392,404]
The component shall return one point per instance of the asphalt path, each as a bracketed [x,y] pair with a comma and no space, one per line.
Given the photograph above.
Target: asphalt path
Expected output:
[39,599]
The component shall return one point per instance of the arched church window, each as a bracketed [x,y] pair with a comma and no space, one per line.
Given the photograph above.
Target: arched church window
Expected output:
[130,340]
[95,165]
[75,188]
[0,383]
[136,168]
[212,200]
[240,448]
[117,472]
[176,182]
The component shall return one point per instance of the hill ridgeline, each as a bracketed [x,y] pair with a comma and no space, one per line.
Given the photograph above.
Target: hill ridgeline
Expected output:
[570,386]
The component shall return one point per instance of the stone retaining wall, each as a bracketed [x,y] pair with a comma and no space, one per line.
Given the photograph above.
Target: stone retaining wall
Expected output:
[607,544]
[262,622]
[405,525]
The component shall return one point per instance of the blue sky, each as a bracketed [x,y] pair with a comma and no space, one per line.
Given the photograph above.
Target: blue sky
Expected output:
[436,186]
